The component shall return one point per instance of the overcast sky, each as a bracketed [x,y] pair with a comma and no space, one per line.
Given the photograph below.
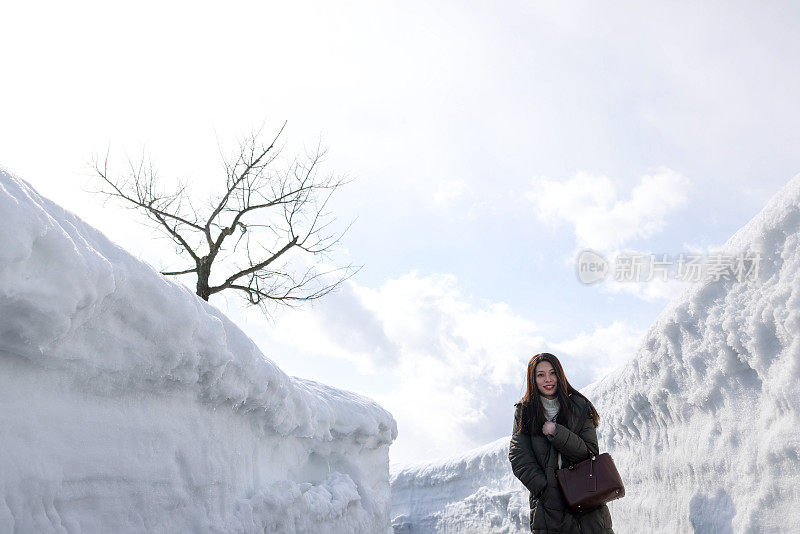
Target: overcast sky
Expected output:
[489,142]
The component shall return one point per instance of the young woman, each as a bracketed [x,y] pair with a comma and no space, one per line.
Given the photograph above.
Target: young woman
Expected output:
[554,426]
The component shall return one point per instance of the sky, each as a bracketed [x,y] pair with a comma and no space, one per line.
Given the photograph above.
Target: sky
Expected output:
[488,145]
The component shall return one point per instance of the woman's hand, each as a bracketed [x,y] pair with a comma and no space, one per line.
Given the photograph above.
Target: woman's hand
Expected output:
[549,428]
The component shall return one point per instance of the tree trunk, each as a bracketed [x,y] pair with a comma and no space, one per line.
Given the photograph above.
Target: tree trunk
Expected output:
[203,273]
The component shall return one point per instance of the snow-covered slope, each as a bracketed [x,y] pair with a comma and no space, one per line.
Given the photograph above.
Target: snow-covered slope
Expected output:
[127,404]
[703,424]
[472,492]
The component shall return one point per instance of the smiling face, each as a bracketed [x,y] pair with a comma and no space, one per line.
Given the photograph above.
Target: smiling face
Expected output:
[546,379]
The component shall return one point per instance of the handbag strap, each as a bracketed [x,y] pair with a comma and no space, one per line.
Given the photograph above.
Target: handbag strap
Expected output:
[592,457]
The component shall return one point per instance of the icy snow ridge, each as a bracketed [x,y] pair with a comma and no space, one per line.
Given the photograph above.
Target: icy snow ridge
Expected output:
[703,424]
[471,492]
[127,404]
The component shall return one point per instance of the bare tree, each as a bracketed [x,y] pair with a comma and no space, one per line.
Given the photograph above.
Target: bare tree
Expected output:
[282,207]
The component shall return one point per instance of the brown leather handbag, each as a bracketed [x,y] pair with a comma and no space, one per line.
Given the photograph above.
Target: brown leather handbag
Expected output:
[590,483]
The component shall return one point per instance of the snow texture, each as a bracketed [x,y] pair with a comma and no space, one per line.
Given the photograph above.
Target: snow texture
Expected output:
[128,404]
[472,492]
[702,423]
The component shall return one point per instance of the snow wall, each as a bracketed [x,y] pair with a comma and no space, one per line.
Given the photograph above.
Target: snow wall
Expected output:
[128,404]
[703,422]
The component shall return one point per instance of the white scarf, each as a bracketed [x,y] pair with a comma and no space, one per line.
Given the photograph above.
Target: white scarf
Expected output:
[550,411]
[550,407]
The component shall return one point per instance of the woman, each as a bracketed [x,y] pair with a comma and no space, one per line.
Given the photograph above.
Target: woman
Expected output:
[554,426]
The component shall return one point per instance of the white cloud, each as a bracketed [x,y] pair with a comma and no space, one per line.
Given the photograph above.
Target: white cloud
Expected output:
[340,326]
[703,250]
[650,291]
[602,220]
[448,192]
[457,363]
[589,356]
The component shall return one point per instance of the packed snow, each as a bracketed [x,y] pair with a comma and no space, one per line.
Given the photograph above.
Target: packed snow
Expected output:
[128,404]
[471,492]
[703,423]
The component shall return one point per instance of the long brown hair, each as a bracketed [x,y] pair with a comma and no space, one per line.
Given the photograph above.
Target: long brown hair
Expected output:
[532,418]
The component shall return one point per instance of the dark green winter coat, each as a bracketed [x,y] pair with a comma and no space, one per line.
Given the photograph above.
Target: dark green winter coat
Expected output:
[534,464]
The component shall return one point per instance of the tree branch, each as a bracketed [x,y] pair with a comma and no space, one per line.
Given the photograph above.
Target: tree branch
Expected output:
[272,210]
[173,273]
[228,283]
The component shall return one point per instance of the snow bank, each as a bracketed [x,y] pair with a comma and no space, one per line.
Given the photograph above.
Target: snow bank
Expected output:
[703,424]
[471,492]
[127,404]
